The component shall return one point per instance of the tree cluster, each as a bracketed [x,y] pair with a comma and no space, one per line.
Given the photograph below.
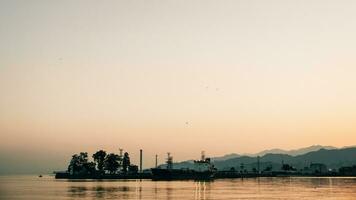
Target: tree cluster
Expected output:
[102,163]
[287,167]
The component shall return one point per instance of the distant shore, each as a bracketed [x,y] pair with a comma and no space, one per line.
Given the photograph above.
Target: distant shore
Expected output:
[218,175]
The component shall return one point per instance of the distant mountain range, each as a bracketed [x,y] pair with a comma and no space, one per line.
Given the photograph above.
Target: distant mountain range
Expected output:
[294,152]
[333,157]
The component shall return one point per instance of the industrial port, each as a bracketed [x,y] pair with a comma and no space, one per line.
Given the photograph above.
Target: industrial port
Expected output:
[113,166]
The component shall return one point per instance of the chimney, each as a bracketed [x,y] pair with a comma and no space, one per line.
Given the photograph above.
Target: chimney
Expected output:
[156,160]
[140,160]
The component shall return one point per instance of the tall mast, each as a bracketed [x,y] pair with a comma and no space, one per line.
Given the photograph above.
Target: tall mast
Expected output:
[203,155]
[169,161]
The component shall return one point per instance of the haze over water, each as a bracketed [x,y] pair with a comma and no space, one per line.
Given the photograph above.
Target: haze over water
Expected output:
[31,187]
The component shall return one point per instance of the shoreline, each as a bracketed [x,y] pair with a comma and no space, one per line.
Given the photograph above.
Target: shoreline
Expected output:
[148,176]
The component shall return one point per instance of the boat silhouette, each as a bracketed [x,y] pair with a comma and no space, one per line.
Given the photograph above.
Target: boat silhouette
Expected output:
[203,170]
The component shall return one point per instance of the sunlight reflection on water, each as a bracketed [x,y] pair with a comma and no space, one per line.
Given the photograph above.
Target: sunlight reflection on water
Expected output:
[31,187]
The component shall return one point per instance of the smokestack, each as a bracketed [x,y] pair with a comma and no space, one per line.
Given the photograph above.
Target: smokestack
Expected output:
[156,160]
[140,160]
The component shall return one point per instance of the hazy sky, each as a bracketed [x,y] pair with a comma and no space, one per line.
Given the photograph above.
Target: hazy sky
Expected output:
[178,76]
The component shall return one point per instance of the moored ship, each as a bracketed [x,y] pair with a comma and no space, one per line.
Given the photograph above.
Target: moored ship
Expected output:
[203,170]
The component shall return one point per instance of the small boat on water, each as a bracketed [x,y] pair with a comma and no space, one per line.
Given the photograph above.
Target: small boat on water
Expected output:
[203,170]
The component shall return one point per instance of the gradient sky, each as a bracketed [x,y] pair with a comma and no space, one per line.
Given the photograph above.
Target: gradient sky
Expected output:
[178,76]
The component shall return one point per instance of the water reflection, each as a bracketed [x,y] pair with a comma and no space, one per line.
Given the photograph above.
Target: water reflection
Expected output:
[320,182]
[253,188]
[200,190]
[101,192]
[77,191]
[169,190]
[138,189]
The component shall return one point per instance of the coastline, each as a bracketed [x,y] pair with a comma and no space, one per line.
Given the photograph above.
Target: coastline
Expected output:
[218,175]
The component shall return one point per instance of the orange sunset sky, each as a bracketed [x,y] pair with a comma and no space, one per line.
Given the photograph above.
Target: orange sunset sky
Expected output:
[177,76]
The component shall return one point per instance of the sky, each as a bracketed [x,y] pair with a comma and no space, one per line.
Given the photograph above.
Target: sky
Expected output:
[173,76]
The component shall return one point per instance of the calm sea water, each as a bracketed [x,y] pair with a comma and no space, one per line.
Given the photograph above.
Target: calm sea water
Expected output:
[32,187]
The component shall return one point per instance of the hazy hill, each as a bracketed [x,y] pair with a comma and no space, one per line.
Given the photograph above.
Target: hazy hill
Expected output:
[333,158]
[226,157]
[293,152]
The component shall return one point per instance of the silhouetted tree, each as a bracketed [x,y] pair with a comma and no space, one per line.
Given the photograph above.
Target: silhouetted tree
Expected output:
[287,167]
[254,170]
[111,162]
[89,167]
[125,162]
[74,165]
[99,158]
[268,168]
[78,162]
